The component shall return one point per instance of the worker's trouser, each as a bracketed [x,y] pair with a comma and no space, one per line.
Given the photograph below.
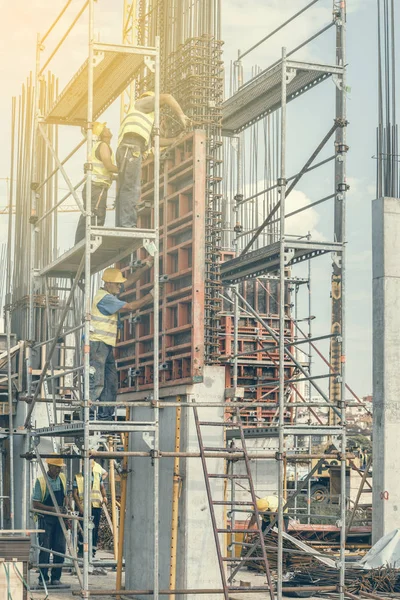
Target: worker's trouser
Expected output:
[103,379]
[53,539]
[98,207]
[129,163]
[96,514]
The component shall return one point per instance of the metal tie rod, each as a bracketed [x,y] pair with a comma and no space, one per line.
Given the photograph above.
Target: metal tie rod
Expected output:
[264,39]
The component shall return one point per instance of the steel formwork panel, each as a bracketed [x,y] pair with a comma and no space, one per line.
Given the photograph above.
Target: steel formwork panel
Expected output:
[182,260]
[262,94]
[107,247]
[115,68]
[258,365]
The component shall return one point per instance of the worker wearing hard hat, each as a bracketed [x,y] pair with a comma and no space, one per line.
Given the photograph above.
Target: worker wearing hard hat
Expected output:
[268,509]
[98,497]
[103,379]
[133,141]
[52,538]
[269,504]
[103,168]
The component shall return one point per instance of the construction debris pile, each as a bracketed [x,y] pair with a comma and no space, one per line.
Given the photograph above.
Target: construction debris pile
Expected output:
[357,580]
[293,558]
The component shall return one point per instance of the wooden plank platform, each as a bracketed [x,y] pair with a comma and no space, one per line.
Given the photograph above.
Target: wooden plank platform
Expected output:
[115,68]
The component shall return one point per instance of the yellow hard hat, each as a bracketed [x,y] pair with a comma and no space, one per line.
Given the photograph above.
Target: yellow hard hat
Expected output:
[98,128]
[57,462]
[113,276]
[267,503]
[146,94]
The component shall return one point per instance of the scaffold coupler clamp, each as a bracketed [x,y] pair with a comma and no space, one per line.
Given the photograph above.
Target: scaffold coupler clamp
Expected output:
[153,455]
[280,455]
[341,122]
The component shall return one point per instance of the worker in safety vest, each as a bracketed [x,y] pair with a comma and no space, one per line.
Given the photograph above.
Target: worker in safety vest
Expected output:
[98,497]
[53,537]
[133,141]
[103,378]
[102,169]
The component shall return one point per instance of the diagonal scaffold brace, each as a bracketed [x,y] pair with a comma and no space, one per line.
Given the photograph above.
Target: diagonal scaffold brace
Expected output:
[54,342]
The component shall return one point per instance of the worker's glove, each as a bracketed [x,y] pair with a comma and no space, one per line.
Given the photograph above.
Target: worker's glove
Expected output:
[105,500]
[149,262]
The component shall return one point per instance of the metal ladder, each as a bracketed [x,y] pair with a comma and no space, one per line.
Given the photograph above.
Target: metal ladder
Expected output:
[217,531]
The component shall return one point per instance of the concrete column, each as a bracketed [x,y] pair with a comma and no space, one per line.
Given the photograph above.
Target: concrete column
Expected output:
[197,565]
[386,365]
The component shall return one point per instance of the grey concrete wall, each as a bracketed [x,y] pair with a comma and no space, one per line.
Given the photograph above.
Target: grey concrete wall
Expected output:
[197,565]
[386,364]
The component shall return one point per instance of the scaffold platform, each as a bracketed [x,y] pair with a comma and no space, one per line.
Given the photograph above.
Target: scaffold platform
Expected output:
[108,246]
[262,94]
[116,66]
[77,428]
[267,259]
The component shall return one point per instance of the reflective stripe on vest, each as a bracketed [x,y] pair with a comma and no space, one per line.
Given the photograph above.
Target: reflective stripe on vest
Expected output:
[100,174]
[43,485]
[103,328]
[95,494]
[139,123]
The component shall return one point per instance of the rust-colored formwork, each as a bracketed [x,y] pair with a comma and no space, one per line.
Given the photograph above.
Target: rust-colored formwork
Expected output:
[258,360]
[182,262]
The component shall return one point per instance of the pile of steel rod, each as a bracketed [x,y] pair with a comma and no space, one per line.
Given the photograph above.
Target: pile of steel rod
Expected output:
[357,580]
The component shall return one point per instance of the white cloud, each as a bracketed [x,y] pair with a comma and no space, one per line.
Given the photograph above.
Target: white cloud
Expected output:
[305,221]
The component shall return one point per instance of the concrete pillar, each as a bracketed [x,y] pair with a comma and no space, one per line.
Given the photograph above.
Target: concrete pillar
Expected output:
[386,364]
[197,565]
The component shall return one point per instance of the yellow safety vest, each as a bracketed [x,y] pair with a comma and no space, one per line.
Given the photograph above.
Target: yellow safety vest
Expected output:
[95,494]
[100,174]
[103,328]
[137,122]
[43,485]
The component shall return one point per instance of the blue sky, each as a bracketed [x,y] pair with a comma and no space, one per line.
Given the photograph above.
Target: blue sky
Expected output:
[309,118]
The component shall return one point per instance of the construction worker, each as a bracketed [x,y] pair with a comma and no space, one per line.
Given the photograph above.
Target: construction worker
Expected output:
[102,169]
[134,139]
[98,497]
[269,504]
[106,305]
[53,537]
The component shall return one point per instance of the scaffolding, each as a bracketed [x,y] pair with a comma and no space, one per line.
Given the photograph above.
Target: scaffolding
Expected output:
[106,74]
[266,93]
[102,78]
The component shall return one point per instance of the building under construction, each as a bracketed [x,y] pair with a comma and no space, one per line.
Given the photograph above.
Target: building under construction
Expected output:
[214,375]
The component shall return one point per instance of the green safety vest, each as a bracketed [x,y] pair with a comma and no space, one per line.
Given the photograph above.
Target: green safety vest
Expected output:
[103,328]
[100,174]
[137,122]
[43,485]
[95,494]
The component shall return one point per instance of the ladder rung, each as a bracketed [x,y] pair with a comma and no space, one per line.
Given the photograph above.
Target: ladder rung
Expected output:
[227,476]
